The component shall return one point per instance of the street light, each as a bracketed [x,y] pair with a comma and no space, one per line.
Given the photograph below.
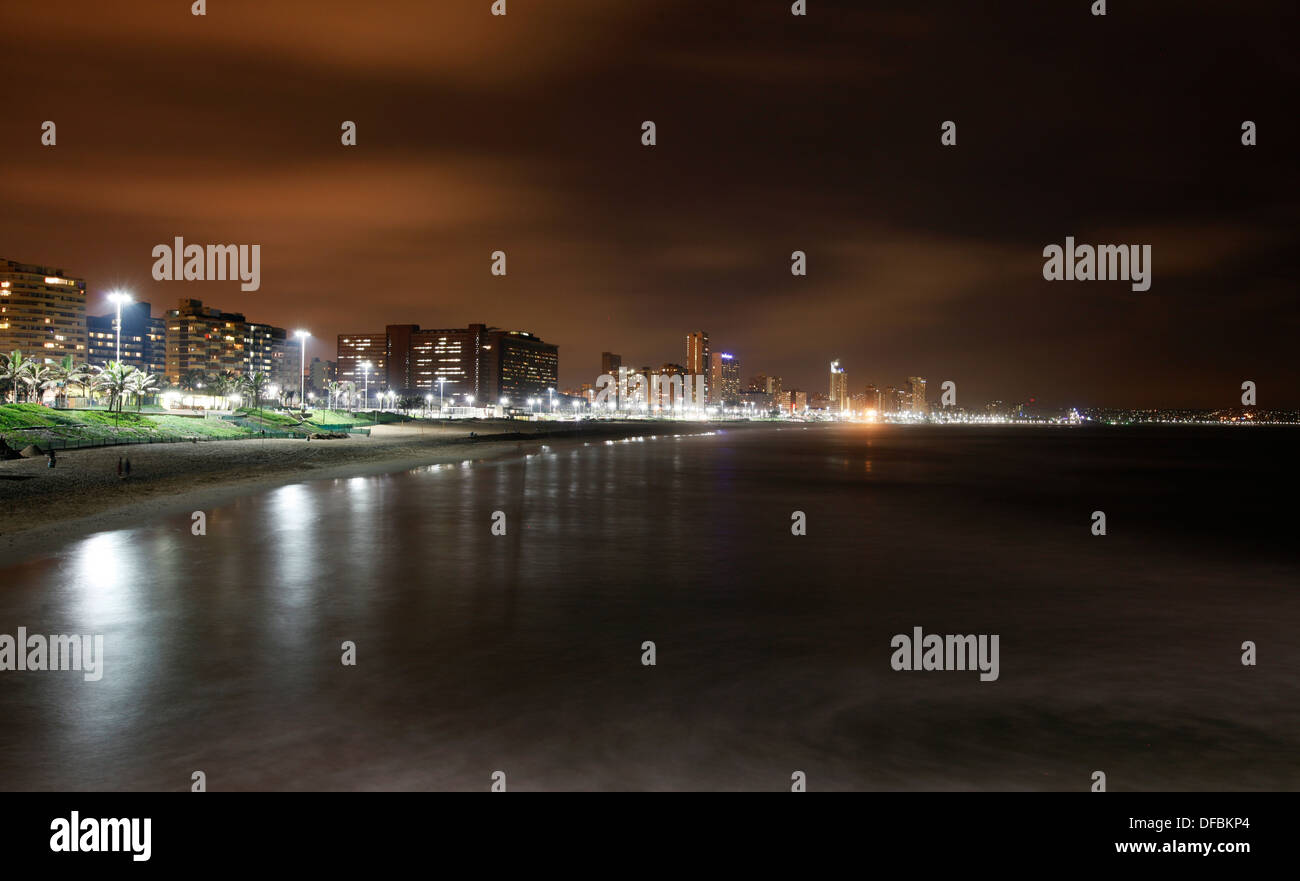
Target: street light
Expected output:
[442,380]
[302,369]
[365,366]
[119,297]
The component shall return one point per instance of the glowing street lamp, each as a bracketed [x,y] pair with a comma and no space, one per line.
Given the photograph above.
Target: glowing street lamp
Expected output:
[442,381]
[119,297]
[365,366]
[302,369]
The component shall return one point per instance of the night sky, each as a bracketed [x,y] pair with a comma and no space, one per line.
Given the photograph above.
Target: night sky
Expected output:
[775,133]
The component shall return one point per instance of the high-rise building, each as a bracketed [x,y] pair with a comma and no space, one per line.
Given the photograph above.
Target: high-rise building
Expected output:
[42,312]
[354,350]
[871,399]
[486,363]
[204,338]
[320,374]
[144,339]
[609,363]
[768,385]
[523,364]
[919,403]
[723,385]
[271,351]
[698,359]
[839,395]
[792,401]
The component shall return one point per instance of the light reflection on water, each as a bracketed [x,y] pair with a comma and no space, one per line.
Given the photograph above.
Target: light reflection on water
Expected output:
[522,651]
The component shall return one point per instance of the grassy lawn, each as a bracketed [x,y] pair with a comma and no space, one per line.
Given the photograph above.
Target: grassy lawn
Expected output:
[23,424]
[186,426]
[276,419]
[364,419]
[269,418]
[332,417]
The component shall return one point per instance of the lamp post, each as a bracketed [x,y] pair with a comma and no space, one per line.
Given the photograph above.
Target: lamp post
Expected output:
[302,368]
[365,366]
[118,297]
[442,380]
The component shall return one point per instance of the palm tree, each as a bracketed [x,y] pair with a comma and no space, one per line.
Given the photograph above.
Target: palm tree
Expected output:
[225,383]
[139,383]
[192,380]
[12,367]
[332,389]
[36,375]
[113,380]
[72,374]
[254,385]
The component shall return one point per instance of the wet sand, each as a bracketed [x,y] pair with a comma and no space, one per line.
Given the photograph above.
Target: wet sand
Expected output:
[41,508]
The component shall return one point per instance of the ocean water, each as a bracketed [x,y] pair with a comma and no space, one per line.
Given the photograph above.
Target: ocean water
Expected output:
[522,652]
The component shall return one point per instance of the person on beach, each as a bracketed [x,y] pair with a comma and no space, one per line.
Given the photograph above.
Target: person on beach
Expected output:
[51,457]
[128,467]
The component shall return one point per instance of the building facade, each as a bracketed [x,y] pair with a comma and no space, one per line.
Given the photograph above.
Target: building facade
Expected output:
[477,362]
[839,394]
[355,352]
[320,374]
[42,312]
[920,405]
[871,399]
[698,362]
[144,339]
[723,386]
[205,339]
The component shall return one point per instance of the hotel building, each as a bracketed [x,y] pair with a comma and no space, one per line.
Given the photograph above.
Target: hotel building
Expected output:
[203,338]
[724,378]
[144,339]
[839,396]
[486,363]
[919,403]
[42,312]
[697,358]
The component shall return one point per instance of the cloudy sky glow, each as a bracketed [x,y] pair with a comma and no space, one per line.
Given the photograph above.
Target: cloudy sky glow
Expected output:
[775,133]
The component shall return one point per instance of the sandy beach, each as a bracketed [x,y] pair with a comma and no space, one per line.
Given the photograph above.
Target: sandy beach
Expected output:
[41,508]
